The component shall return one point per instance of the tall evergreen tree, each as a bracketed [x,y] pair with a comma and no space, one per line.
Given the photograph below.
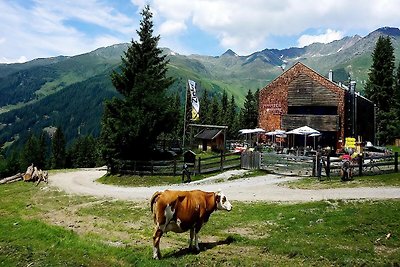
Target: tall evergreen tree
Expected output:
[224,109]
[257,98]
[177,106]
[132,123]
[14,164]
[396,101]
[3,164]
[34,151]
[205,108]
[82,152]
[232,119]
[249,112]
[379,88]
[42,157]
[215,111]
[58,150]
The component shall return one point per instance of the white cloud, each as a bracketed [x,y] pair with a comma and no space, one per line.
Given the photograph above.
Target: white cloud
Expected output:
[171,27]
[21,59]
[245,25]
[49,28]
[327,37]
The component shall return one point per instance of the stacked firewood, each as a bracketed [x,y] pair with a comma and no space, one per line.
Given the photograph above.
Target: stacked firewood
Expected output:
[32,174]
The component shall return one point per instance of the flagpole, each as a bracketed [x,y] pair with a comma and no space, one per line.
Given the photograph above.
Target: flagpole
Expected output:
[184,117]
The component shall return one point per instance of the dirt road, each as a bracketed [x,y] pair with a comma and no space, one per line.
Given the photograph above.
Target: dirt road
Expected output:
[262,188]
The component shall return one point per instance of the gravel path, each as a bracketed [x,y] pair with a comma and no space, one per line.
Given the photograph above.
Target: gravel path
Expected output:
[262,188]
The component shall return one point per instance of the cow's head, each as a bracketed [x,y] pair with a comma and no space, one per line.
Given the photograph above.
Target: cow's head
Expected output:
[222,202]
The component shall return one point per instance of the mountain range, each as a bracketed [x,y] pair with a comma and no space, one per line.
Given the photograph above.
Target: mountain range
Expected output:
[69,92]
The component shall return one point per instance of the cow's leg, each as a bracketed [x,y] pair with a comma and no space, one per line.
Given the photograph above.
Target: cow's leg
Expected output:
[156,243]
[191,238]
[196,239]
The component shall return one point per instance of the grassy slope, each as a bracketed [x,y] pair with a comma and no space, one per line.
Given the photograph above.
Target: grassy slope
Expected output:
[41,227]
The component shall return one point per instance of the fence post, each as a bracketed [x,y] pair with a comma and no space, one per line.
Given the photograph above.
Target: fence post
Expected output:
[360,165]
[314,165]
[222,161]
[199,165]
[396,161]
[328,166]
[152,167]
[174,167]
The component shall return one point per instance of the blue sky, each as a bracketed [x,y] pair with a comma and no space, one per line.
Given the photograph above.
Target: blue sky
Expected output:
[43,28]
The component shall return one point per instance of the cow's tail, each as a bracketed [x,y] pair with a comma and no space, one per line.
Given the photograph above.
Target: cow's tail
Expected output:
[154,199]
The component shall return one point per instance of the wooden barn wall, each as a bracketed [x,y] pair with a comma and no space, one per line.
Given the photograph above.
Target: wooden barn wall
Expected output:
[326,123]
[316,90]
[303,91]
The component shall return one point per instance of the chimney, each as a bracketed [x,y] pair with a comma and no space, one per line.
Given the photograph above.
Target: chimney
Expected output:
[352,87]
[330,76]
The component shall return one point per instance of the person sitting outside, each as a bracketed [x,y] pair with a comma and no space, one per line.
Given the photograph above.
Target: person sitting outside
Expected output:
[186,172]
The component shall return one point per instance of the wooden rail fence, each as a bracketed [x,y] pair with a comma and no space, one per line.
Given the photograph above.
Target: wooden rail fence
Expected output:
[317,166]
[174,167]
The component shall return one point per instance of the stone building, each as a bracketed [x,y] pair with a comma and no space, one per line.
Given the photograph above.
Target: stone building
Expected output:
[300,96]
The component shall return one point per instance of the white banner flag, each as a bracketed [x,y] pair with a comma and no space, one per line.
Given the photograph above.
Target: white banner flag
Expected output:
[194,100]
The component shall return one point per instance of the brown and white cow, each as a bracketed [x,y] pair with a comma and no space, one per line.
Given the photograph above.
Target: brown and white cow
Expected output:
[180,211]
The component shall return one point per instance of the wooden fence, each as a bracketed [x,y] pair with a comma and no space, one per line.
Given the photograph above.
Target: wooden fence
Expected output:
[133,167]
[287,164]
[174,167]
[250,160]
[369,165]
[218,163]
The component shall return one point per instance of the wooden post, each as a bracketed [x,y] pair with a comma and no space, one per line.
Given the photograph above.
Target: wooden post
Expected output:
[314,165]
[174,167]
[222,162]
[152,167]
[328,166]
[199,165]
[396,161]
[360,165]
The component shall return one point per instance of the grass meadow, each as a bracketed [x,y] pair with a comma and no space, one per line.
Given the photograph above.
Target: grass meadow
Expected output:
[41,226]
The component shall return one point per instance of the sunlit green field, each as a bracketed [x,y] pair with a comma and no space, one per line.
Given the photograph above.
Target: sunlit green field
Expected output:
[43,227]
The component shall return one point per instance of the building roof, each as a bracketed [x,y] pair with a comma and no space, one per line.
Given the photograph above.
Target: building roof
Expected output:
[305,67]
[208,134]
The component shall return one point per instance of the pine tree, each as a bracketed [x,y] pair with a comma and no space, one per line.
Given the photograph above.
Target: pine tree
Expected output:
[257,98]
[249,112]
[224,109]
[232,119]
[205,108]
[58,150]
[215,111]
[34,151]
[177,107]
[396,101]
[42,156]
[379,88]
[132,123]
